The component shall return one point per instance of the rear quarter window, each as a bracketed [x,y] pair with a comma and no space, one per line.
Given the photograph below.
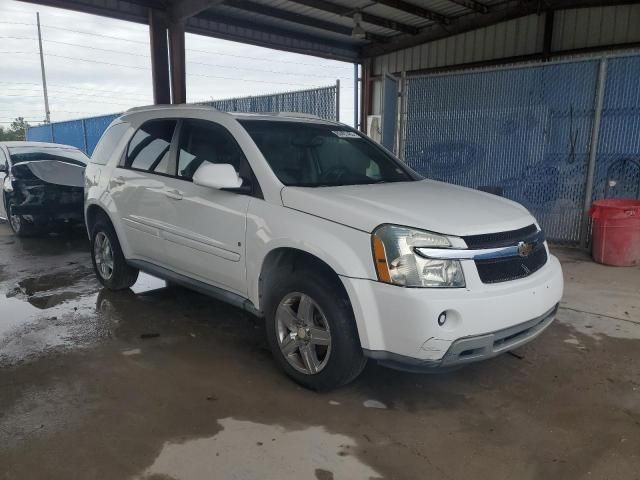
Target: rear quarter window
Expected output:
[110,144]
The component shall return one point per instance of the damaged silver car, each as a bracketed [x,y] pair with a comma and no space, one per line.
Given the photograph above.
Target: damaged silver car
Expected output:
[42,186]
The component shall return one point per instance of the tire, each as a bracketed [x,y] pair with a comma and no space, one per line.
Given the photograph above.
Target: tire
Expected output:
[21,226]
[118,274]
[339,362]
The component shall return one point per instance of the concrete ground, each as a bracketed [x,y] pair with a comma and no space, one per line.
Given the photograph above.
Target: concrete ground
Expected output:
[162,383]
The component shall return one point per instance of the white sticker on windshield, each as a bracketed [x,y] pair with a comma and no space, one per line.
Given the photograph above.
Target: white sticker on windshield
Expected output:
[345,134]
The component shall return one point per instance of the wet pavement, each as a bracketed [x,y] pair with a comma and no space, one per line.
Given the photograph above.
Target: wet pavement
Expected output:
[161,383]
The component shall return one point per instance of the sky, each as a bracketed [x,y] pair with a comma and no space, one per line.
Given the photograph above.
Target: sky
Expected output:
[96,65]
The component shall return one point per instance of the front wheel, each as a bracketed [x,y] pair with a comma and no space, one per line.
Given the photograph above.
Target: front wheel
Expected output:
[23,225]
[108,261]
[312,332]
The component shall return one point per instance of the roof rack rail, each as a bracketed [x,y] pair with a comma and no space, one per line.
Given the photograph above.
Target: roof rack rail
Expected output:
[297,114]
[279,114]
[145,108]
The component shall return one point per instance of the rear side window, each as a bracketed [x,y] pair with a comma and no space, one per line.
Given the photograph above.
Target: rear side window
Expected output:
[108,143]
[149,148]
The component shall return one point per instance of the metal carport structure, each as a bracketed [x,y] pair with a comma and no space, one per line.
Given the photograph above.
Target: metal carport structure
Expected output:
[353,31]
[395,41]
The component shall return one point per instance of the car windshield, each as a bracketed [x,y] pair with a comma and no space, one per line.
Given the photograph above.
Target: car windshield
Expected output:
[63,154]
[321,155]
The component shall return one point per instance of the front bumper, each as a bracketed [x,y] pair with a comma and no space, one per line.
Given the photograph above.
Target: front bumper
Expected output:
[400,325]
[471,349]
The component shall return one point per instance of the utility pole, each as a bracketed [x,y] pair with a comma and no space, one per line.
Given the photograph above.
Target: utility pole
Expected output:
[44,76]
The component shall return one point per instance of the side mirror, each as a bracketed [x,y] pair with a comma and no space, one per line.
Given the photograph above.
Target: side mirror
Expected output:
[217,175]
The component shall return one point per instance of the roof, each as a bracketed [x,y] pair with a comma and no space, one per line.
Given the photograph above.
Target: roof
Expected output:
[325,28]
[36,144]
[185,109]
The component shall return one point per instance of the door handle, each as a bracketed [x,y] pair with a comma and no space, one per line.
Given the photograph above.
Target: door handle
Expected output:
[117,181]
[174,194]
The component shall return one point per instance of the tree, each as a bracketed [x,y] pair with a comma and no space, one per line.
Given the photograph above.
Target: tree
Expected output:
[16,131]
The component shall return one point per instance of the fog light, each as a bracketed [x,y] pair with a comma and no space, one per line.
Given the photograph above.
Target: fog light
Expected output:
[442,318]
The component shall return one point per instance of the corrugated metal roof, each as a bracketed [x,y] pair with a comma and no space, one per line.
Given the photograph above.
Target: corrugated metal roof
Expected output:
[415,39]
[289,25]
[317,11]
[321,15]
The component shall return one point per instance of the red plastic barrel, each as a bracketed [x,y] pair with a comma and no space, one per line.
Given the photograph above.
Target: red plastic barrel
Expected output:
[616,232]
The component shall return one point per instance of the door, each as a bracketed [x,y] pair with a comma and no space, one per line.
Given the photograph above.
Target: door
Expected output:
[139,191]
[206,240]
[389,112]
[4,173]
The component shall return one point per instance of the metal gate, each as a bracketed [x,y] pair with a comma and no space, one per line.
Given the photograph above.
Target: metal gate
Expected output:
[525,132]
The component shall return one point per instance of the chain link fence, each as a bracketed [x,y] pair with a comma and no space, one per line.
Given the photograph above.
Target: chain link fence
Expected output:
[85,133]
[524,132]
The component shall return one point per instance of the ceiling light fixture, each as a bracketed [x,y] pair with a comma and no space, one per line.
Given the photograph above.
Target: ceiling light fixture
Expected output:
[358,31]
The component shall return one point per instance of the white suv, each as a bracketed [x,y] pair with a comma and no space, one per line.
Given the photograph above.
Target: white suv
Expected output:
[345,251]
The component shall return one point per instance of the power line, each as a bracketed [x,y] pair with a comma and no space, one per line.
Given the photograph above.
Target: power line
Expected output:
[77,92]
[73,87]
[68,98]
[235,79]
[112,37]
[193,62]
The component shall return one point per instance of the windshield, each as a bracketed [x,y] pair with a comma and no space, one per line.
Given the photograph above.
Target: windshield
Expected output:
[320,155]
[63,154]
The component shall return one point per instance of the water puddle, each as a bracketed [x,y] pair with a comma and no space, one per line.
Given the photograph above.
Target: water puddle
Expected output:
[57,311]
[255,451]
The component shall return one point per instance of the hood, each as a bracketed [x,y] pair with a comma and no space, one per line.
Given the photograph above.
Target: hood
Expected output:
[425,204]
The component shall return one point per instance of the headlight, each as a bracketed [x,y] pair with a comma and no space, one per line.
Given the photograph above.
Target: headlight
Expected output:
[397,263]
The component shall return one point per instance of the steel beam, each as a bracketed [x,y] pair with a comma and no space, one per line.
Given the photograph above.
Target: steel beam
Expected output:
[548,33]
[415,10]
[293,17]
[159,57]
[472,5]
[183,9]
[177,62]
[343,11]
[507,11]
[247,31]
[593,151]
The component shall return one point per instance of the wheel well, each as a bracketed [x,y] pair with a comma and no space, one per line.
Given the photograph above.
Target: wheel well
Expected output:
[94,212]
[282,261]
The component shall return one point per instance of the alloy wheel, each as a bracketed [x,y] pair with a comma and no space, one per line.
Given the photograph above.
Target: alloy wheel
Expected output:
[303,333]
[103,255]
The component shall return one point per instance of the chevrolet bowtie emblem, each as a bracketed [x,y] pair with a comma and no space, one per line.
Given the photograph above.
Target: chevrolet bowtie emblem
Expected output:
[525,249]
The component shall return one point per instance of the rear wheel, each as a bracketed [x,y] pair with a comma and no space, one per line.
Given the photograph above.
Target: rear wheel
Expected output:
[108,261]
[312,332]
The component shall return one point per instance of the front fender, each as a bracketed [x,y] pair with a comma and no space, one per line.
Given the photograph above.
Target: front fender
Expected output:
[346,250]
[97,194]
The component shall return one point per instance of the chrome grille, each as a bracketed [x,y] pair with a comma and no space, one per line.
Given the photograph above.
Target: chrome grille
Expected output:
[504,269]
[511,268]
[500,239]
